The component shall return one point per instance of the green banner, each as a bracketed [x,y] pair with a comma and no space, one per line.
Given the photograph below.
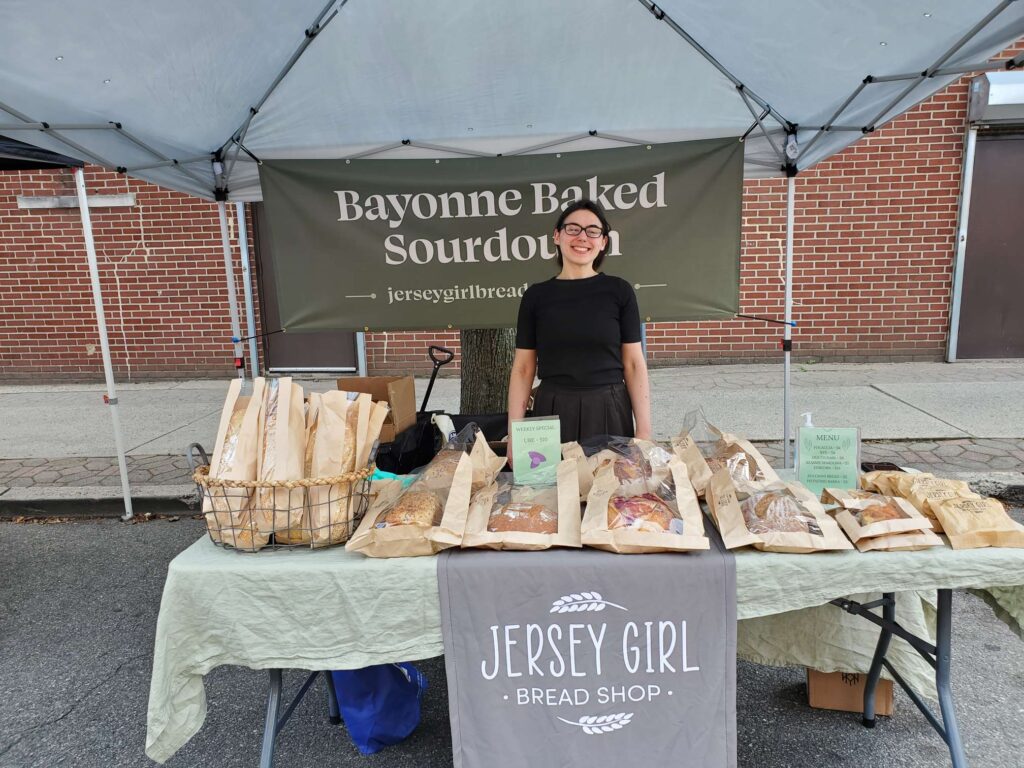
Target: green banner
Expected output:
[403,244]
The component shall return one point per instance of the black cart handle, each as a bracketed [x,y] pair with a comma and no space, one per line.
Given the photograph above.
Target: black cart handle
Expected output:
[444,355]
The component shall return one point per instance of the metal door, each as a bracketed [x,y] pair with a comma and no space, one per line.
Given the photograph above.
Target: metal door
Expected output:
[991,306]
[296,351]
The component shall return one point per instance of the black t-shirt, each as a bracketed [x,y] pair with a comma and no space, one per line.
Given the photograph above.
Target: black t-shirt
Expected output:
[578,328]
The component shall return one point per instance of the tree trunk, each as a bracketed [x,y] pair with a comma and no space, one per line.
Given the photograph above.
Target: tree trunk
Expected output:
[486,365]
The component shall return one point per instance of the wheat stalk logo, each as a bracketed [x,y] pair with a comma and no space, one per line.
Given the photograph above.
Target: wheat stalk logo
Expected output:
[582,601]
[592,724]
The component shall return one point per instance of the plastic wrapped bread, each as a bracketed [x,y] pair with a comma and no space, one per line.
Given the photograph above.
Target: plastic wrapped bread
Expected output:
[519,517]
[404,522]
[774,517]
[628,518]
[705,449]
[865,515]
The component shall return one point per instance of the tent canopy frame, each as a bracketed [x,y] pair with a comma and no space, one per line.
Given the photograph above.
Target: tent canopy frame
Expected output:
[228,152]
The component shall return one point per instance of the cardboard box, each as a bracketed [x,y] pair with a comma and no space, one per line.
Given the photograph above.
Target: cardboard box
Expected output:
[844,691]
[399,392]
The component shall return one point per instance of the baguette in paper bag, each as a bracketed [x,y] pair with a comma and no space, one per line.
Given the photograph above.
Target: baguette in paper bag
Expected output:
[281,450]
[229,510]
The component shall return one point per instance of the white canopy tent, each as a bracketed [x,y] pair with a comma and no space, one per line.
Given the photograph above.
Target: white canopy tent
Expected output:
[191,95]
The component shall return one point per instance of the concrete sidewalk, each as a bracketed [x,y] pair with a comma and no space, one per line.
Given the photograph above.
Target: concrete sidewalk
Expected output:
[964,419]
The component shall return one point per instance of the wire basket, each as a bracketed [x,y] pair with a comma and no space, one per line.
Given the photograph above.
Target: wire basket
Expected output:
[250,515]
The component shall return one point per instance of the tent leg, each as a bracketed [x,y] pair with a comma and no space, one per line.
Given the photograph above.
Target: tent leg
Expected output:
[788,333]
[101,322]
[961,244]
[229,274]
[361,353]
[250,313]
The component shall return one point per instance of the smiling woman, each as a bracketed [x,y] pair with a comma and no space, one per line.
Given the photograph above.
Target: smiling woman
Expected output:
[580,331]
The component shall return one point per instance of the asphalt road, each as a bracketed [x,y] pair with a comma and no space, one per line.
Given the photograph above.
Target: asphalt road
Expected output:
[78,608]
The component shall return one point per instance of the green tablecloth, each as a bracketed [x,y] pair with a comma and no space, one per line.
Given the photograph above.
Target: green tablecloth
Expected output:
[332,609]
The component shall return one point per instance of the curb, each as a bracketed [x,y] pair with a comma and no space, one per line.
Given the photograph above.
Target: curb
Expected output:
[95,501]
[1006,486]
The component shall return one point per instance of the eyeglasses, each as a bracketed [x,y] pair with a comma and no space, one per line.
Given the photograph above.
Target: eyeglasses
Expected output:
[593,231]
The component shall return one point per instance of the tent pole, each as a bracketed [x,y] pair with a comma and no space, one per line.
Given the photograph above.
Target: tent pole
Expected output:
[660,15]
[361,353]
[59,137]
[229,274]
[311,32]
[788,332]
[250,312]
[961,244]
[101,323]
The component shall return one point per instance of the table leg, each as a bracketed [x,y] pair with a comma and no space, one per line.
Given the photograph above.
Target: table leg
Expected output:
[888,616]
[937,655]
[332,700]
[943,647]
[270,724]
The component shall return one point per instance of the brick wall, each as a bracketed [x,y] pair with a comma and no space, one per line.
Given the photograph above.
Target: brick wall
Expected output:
[873,255]
[396,354]
[874,247]
[161,270]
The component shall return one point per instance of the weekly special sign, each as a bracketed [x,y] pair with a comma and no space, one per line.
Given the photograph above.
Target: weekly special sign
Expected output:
[580,657]
[391,244]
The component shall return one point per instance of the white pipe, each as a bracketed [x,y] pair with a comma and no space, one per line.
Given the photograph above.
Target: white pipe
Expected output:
[788,333]
[961,245]
[101,323]
[361,352]
[229,274]
[250,312]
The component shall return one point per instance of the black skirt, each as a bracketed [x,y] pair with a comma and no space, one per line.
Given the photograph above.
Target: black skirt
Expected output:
[586,412]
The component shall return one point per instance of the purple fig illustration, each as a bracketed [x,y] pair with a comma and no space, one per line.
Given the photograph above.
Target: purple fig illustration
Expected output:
[536,459]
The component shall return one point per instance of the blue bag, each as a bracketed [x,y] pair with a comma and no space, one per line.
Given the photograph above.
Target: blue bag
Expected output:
[380,704]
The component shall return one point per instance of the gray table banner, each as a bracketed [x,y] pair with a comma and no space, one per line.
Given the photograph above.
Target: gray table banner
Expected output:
[581,657]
